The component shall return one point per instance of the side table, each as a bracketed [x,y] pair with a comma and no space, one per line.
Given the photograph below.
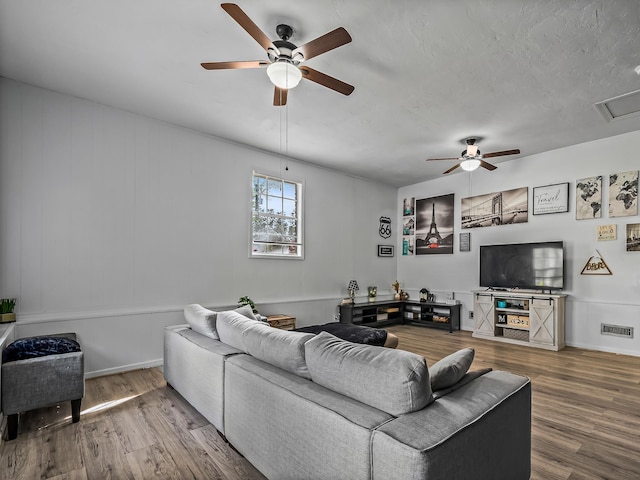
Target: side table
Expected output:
[283,322]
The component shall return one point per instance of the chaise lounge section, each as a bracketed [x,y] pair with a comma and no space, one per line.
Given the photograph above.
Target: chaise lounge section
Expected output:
[299,405]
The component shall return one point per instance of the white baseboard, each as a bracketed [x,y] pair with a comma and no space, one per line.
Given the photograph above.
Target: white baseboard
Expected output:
[124,368]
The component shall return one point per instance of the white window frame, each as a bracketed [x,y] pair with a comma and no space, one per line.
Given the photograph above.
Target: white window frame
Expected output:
[257,246]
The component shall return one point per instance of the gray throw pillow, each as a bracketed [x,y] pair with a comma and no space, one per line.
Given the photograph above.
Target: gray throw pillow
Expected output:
[246,311]
[448,371]
[201,320]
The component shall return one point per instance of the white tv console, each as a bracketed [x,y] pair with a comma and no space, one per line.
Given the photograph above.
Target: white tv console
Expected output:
[523,318]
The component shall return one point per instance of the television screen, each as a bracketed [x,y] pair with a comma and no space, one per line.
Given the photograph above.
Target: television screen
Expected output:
[537,266]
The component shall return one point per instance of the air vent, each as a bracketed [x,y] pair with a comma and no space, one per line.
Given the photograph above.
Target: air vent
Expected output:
[618,108]
[616,330]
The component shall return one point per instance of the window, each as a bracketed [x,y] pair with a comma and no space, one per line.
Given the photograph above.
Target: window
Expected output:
[276,219]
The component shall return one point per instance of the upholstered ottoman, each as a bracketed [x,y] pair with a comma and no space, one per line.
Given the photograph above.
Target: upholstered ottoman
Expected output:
[39,372]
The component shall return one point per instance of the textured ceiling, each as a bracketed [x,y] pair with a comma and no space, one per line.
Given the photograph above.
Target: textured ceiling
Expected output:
[520,73]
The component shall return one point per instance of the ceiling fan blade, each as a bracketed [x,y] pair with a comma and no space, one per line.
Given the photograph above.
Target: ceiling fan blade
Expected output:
[452,169]
[448,158]
[280,97]
[487,165]
[245,22]
[327,81]
[234,65]
[326,42]
[500,154]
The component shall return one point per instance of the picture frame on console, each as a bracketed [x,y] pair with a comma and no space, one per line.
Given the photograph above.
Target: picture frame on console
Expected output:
[549,199]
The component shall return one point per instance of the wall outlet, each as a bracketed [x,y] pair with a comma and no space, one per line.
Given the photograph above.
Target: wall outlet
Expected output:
[471,315]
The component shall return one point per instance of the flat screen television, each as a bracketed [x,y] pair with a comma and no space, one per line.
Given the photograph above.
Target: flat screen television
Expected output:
[536,266]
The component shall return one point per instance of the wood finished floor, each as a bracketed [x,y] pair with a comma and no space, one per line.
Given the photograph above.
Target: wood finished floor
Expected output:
[586,420]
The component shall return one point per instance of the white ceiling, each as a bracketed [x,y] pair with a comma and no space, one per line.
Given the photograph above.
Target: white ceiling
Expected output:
[520,73]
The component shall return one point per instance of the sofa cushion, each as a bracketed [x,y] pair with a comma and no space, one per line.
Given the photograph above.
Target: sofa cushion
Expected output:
[394,381]
[203,320]
[449,370]
[281,348]
[231,325]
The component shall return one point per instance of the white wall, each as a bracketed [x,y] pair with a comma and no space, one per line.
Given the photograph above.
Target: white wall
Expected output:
[592,300]
[112,222]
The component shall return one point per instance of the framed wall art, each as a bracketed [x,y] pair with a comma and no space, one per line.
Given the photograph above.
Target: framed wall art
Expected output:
[551,199]
[633,237]
[623,194]
[434,225]
[496,208]
[589,198]
[385,250]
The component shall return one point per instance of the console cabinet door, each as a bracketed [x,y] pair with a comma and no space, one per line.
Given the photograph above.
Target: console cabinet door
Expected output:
[484,315]
[542,321]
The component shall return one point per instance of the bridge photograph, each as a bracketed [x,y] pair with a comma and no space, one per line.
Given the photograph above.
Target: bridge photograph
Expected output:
[497,208]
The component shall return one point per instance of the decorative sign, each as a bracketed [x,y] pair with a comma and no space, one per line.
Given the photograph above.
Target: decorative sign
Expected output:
[465,242]
[596,266]
[385,227]
[385,250]
[607,232]
[551,199]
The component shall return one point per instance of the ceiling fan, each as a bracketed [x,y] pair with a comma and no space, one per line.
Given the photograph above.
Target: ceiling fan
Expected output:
[471,158]
[284,67]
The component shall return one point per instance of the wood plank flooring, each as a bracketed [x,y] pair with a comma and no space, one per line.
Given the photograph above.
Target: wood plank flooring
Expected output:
[585,425]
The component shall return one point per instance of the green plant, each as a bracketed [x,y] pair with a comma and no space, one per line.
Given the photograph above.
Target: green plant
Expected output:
[7,305]
[247,301]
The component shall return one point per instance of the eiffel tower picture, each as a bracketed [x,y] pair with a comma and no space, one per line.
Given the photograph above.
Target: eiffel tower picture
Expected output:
[434,234]
[433,238]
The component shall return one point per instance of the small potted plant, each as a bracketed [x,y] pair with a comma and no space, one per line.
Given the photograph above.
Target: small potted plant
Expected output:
[373,291]
[247,301]
[6,308]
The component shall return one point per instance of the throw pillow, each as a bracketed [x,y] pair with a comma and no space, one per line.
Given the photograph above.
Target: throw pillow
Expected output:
[201,320]
[246,311]
[450,369]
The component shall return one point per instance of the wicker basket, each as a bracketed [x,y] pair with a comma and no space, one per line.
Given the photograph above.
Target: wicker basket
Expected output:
[512,333]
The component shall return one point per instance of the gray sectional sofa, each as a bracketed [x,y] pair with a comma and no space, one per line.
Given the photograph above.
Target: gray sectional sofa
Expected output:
[303,406]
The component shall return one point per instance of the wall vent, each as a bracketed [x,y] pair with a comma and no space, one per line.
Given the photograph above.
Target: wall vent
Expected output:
[616,330]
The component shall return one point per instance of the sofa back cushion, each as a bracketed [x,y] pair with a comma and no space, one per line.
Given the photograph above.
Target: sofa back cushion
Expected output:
[280,348]
[394,381]
[231,325]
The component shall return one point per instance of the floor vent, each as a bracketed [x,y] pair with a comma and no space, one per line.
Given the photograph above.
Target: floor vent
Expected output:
[617,330]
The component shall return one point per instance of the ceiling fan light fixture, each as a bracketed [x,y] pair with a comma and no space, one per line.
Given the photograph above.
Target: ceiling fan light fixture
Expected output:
[470,164]
[284,75]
